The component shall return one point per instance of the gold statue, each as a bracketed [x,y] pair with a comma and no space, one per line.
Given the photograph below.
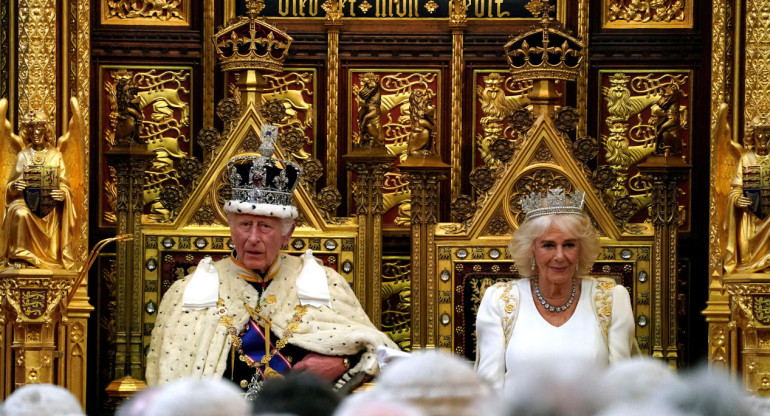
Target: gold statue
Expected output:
[422,114]
[369,101]
[667,117]
[40,216]
[743,192]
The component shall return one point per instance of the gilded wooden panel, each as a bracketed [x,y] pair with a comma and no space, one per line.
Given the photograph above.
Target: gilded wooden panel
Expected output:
[154,104]
[397,300]
[146,12]
[495,97]
[633,14]
[37,52]
[638,108]
[391,115]
[757,65]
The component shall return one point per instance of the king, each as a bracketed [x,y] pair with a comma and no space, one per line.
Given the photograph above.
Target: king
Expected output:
[260,313]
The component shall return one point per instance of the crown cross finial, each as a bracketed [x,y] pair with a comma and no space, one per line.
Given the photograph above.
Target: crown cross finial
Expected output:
[268,133]
[556,201]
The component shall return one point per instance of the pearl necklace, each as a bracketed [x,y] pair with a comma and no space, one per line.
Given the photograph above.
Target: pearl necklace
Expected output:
[555,308]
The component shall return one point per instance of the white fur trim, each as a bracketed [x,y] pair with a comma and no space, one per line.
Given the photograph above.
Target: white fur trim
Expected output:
[267,210]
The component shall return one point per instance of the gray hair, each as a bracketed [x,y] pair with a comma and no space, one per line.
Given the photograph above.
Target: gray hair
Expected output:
[579,226]
[705,392]
[571,389]
[207,397]
[436,382]
[636,378]
[42,400]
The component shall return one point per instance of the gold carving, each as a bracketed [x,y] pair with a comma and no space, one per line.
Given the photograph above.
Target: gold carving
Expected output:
[497,106]
[721,45]
[640,113]
[582,81]
[757,86]
[628,14]
[126,116]
[369,100]
[152,107]
[743,186]
[251,43]
[546,62]
[397,300]
[365,6]
[431,6]
[422,114]
[37,51]
[394,92]
[332,100]
[41,218]
[111,193]
[290,89]
[457,23]
[33,303]
[146,11]
[762,309]
[333,9]
[458,16]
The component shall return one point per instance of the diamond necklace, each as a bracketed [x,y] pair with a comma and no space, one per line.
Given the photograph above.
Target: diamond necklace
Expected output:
[548,305]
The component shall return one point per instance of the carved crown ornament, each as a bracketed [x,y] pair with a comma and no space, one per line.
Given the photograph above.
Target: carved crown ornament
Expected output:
[249,42]
[545,53]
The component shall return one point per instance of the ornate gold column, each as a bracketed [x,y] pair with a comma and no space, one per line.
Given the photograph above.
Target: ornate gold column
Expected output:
[37,52]
[369,166]
[333,24]
[725,22]
[129,161]
[458,21]
[665,173]
[424,175]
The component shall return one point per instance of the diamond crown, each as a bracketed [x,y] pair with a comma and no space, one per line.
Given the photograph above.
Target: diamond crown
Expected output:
[251,43]
[545,53]
[261,179]
[556,201]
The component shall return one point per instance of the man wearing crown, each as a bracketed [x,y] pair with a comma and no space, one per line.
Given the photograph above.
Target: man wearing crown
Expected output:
[260,313]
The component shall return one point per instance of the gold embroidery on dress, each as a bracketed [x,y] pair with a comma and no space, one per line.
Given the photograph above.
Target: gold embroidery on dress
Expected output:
[509,298]
[603,304]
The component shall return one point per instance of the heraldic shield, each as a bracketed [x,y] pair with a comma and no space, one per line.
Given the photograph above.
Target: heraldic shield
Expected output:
[756,187]
[41,180]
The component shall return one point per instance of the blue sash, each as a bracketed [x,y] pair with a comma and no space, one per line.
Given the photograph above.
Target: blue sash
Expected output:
[253,346]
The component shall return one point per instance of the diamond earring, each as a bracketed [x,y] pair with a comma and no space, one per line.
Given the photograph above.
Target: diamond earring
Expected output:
[532,263]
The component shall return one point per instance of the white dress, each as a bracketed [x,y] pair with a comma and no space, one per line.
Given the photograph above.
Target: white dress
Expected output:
[510,330]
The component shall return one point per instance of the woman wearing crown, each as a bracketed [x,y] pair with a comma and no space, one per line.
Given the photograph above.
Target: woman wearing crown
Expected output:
[558,311]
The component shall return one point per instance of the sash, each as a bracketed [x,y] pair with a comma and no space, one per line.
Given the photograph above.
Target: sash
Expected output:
[253,346]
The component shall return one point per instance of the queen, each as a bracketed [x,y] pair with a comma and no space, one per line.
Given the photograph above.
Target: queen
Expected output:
[39,215]
[557,312]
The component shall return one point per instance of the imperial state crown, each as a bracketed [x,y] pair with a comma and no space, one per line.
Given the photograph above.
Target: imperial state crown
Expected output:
[261,184]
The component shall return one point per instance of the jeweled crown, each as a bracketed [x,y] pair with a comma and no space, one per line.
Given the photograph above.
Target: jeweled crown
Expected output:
[556,201]
[545,53]
[251,43]
[261,184]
